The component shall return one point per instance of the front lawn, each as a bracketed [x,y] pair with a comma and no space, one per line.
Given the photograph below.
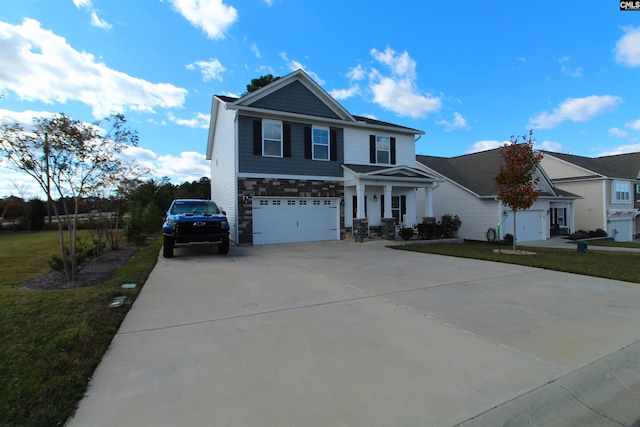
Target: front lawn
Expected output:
[52,340]
[623,266]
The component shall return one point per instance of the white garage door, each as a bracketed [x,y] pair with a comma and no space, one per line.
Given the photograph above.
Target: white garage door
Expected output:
[288,220]
[620,230]
[530,226]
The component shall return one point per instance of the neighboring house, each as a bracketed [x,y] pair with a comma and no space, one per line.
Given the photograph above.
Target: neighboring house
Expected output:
[290,164]
[470,192]
[609,185]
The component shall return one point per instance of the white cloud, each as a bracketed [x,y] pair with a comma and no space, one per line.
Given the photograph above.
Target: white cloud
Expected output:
[357,73]
[575,72]
[635,125]
[549,146]
[188,166]
[340,94]
[627,50]
[40,66]
[211,69]
[295,65]
[623,149]
[486,145]
[576,110]
[200,121]
[211,16]
[255,50]
[399,92]
[25,118]
[458,122]
[96,21]
[618,133]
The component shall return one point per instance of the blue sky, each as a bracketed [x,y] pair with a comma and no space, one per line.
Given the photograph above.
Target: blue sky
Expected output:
[468,73]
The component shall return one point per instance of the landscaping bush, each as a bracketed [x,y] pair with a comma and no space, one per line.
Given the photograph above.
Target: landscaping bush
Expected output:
[598,233]
[582,234]
[406,233]
[448,226]
[508,239]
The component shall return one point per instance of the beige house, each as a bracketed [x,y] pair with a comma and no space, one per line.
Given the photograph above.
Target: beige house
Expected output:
[610,187]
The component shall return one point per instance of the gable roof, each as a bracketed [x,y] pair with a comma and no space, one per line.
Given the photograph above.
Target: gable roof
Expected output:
[625,166]
[252,103]
[476,172]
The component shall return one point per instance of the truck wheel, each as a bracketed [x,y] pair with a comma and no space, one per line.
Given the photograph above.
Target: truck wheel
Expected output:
[224,246]
[167,250]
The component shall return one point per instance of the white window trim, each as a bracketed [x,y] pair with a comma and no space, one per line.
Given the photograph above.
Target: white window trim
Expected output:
[387,151]
[313,143]
[637,186]
[276,122]
[614,196]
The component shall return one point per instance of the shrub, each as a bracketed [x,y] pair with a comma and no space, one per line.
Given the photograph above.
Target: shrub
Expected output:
[598,233]
[406,233]
[508,239]
[448,226]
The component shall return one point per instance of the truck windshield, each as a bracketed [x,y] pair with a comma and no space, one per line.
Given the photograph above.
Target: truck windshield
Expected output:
[195,207]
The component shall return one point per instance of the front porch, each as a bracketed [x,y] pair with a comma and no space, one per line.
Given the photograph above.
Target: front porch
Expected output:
[380,200]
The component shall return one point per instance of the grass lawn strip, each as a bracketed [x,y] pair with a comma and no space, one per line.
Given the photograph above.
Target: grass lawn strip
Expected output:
[53,340]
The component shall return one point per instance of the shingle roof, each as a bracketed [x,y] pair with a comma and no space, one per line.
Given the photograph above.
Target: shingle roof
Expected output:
[475,171]
[625,166]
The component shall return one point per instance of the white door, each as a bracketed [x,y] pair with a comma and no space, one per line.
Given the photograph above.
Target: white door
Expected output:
[529,224]
[288,220]
[620,229]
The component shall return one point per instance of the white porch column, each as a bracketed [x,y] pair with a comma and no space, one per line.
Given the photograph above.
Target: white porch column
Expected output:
[429,201]
[387,201]
[360,198]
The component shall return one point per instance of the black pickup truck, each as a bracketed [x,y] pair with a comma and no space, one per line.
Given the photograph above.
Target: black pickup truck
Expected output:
[191,222]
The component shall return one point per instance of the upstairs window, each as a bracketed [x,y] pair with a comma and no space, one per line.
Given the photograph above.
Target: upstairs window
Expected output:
[637,192]
[271,138]
[320,141]
[622,193]
[382,149]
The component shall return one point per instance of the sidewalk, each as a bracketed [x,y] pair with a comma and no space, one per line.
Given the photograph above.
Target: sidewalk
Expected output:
[563,243]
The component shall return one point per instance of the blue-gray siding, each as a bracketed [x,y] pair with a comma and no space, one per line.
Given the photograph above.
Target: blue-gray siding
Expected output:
[295,98]
[294,165]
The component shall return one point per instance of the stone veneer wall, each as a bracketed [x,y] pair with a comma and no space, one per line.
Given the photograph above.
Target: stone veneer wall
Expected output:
[272,187]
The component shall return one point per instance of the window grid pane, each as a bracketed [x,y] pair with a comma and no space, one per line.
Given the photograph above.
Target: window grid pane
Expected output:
[320,143]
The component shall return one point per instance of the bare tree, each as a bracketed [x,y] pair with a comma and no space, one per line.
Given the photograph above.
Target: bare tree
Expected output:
[71,159]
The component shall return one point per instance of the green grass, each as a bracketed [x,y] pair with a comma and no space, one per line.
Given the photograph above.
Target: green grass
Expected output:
[53,340]
[623,266]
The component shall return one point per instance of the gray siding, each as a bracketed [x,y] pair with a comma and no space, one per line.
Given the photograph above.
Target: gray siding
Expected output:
[294,165]
[295,98]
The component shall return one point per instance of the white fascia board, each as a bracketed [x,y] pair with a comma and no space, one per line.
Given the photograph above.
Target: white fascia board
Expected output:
[215,102]
[280,115]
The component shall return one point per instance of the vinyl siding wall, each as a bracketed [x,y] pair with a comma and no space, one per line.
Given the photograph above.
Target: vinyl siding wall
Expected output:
[557,169]
[477,215]
[223,167]
[356,147]
[250,163]
[589,211]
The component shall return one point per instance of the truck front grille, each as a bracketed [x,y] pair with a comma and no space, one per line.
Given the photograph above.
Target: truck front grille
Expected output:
[197,228]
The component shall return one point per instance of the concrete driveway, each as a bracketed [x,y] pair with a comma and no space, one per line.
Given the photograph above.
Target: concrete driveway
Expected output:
[346,334]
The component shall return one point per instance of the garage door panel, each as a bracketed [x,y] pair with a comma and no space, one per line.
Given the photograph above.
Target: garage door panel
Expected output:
[294,220]
[530,226]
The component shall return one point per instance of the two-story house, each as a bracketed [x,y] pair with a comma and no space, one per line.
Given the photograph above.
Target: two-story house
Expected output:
[290,164]
[607,185]
[469,190]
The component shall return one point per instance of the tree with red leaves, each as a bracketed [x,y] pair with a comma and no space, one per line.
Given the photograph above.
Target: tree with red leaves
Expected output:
[515,180]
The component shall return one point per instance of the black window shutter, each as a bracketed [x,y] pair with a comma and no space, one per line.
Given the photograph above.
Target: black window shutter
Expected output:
[372,148]
[286,140]
[403,205]
[307,142]
[333,145]
[393,151]
[257,137]
[354,206]
[382,206]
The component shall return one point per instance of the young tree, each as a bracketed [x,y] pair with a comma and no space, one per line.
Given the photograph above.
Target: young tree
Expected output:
[71,159]
[515,180]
